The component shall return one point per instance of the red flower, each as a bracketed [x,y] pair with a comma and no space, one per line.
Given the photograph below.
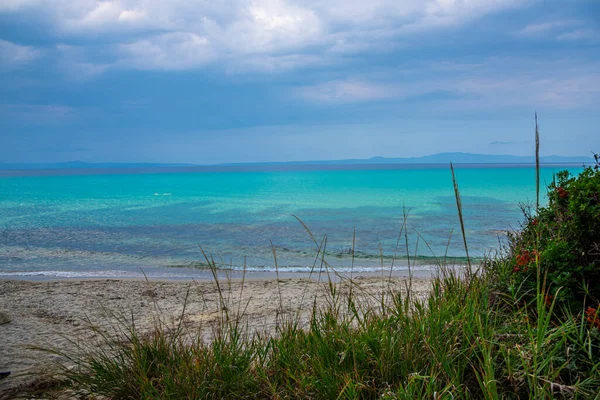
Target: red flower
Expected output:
[562,193]
[548,299]
[535,222]
[524,259]
[516,268]
[591,316]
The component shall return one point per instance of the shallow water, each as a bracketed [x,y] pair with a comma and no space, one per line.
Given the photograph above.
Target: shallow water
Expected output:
[122,223]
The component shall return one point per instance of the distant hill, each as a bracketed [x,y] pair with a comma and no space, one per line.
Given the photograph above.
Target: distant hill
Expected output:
[443,158]
[84,165]
[440,158]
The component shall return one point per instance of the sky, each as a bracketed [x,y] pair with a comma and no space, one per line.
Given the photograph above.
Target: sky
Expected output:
[194,81]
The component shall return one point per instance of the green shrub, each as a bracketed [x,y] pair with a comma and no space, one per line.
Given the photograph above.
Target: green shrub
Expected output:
[562,242]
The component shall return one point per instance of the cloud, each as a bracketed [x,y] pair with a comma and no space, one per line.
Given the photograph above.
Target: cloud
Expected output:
[574,87]
[73,62]
[493,83]
[580,34]
[562,30]
[173,51]
[442,13]
[16,5]
[276,63]
[547,27]
[346,91]
[12,55]
[180,34]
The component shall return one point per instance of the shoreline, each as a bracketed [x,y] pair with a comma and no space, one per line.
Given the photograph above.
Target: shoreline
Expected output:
[419,271]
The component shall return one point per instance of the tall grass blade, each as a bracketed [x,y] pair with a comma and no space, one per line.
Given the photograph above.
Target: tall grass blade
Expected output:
[537,166]
[460,216]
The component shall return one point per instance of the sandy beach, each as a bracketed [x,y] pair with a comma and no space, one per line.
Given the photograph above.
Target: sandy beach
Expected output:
[59,313]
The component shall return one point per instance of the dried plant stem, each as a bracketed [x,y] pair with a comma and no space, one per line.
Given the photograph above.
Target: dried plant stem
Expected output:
[460,216]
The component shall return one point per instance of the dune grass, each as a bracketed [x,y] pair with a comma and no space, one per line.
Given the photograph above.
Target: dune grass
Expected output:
[463,340]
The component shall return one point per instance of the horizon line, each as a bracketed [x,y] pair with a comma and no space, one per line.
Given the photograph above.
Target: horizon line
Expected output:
[375,160]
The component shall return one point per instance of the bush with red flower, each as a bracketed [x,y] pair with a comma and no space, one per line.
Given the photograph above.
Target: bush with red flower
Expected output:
[563,240]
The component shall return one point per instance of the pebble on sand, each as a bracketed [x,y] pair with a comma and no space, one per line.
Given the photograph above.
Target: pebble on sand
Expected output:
[4,318]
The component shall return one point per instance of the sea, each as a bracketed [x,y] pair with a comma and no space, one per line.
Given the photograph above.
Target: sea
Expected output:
[176,222]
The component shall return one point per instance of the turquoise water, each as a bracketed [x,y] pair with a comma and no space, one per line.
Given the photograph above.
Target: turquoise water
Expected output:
[121,223]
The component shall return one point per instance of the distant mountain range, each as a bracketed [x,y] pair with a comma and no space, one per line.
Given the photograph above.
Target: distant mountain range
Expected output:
[440,158]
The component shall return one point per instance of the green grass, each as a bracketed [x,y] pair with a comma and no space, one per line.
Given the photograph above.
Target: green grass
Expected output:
[464,340]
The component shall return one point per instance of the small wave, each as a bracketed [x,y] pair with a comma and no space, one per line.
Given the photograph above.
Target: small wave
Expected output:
[202,274]
[90,274]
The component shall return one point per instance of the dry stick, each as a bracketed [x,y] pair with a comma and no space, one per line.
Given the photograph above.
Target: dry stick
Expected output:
[427,245]
[350,281]
[312,269]
[327,265]
[320,273]
[241,290]
[213,270]
[324,262]
[277,275]
[410,277]
[204,303]
[540,289]
[323,245]
[352,265]
[537,208]
[537,166]
[329,282]
[409,287]
[307,229]
[383,295]
[537,182]
[352,284]
[396,253]
[351,305]
[416,249]
[185,303]
[239,315]
[448,246]
[460,217]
